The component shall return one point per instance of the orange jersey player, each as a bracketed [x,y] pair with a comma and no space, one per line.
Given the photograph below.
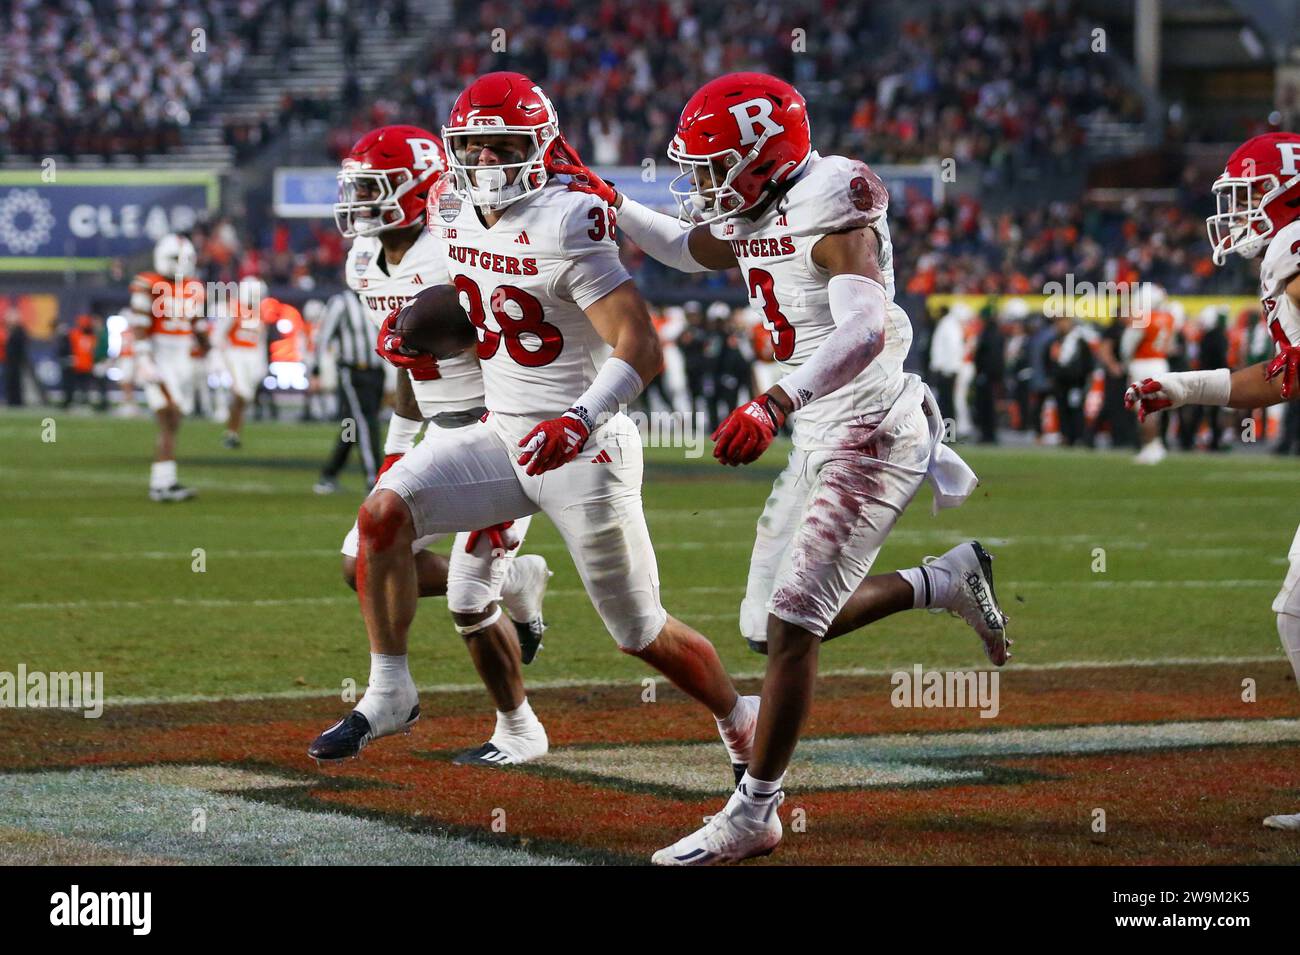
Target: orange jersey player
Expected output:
[1146,343]
[167,307]
[239,339]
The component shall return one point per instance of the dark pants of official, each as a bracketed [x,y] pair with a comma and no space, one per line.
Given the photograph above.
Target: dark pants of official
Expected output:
[361,392]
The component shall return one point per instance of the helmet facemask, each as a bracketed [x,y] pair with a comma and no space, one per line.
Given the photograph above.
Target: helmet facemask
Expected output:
[492,185]
[706,189]
[1241,223]
[370,200]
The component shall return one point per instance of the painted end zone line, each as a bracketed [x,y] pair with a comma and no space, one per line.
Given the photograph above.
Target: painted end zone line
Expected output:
[312,693]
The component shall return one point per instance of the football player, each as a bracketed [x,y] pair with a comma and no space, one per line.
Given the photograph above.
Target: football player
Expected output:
[167,309]
[810,237]
[384,186]
[1257,210]
[564,341]
[239,339]
[1146,344]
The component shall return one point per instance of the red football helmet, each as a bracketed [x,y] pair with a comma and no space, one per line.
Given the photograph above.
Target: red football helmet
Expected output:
[499,104]
[1258,193]
[739,137]
[386,178]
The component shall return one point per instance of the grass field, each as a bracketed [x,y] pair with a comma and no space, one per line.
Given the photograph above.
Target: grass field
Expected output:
[1149,572]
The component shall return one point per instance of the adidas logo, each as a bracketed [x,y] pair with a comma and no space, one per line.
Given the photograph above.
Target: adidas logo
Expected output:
[417,280]
[523,239]
[602,458]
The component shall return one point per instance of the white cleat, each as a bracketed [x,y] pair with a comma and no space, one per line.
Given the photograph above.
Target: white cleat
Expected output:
[732,835]
[503,750]
[522,594]
[1289,823]
[1153,452]
[177,492]
[739,736]
[973,599]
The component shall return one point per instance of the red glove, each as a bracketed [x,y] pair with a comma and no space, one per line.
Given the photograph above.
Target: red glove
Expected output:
[1287,364]
[748,431]
[496,535]
[1138,397]
[389,347]
[553,443]
[389,461]
[563,160]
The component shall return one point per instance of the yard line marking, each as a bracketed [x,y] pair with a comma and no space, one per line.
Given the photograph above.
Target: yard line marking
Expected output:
[902,759]
[737,592]
[635,682]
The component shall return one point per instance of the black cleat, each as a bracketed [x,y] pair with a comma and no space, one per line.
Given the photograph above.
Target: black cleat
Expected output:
[346,738]
[485,755]
[530,638]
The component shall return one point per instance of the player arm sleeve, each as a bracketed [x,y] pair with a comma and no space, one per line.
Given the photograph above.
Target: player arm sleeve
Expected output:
[616,384]
[661,236]
[858,308]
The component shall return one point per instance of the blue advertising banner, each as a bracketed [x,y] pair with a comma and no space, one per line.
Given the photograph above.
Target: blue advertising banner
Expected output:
[305,192]
[84,220]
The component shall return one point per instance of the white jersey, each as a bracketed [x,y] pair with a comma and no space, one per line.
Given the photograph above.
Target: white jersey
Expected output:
[1281,264]
[382,288]
[524,283]
[789,290]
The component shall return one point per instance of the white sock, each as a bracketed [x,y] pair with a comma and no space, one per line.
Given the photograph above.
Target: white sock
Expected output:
[727,724]
[521,721]
[758,796]
[1288,628]
[930,585]
[389,671]
[390,694]
[162,474]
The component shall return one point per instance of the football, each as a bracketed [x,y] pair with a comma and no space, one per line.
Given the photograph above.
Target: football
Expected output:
[433,323]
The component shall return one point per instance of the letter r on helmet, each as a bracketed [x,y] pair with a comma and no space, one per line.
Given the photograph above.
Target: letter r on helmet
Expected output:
[754,117]
[1290,153]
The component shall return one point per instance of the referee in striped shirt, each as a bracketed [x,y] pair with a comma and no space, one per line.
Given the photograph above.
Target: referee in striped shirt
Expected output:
[350,335]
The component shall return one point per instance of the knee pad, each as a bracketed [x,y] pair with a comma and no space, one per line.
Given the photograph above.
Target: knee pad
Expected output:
[468,630]
[467,594]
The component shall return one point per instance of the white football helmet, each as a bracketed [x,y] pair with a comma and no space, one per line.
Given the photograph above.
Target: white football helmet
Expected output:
[174,255]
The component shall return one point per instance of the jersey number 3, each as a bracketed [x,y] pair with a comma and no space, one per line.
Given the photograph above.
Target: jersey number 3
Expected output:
[543,342]
[777,325]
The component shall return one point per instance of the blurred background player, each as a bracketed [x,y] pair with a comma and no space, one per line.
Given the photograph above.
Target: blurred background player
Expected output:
[240,340]
[1258,203]
[167,308]
[391,176]
[1146,345]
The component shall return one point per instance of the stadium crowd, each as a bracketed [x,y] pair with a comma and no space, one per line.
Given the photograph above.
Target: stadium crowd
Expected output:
[1005,89]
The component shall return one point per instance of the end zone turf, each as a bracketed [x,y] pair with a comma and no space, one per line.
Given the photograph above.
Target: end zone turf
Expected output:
[1182,768]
